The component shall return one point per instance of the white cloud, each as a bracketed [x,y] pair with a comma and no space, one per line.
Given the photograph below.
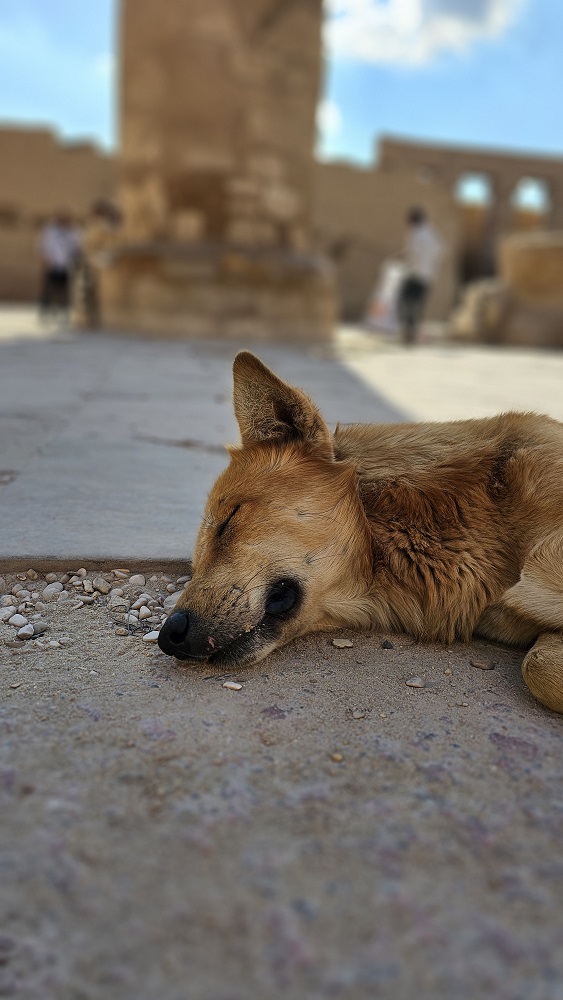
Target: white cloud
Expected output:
[329,118]
[412,32]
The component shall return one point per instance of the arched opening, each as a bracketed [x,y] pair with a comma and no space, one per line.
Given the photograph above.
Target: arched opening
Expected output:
[474,194]
[532,204]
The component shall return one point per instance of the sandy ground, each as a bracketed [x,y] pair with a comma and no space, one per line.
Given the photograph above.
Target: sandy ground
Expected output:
[164,837]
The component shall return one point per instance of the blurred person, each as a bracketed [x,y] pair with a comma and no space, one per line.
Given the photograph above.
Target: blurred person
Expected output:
[59,245]
[100,235]
[423,249]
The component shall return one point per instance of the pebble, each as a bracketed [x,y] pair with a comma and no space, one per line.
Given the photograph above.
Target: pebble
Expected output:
[32,575]
[39,628]
[2,583]
[151,637]
[116,592]
[232,686]
[53,644]
[14,643]
[21,576]
[86,599]
[65,640]
[387,645]
[101,585]
[82,572]
[18,621]
[448,672]
[51,577]
[39,606]
[137,580]
[51,591]
[144,613]
[183,579]
[172,600]
[16,588]
[140,602]
[6,613]
[171,587]
[26,632]
[63,596]
[483,664]
[337,757]
[342,643]
[88,587]
[415,682]
[358,714]
[121,631]
[121,574]
[6,601]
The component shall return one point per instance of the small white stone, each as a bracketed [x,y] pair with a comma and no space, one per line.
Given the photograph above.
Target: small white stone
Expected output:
[358,714]
[26,632]
[63,597]
[32,575]
[65,640]
[342,643]
[6,613]
[87,599]
[151,637]
[88,586]
[18,621]
[82,572]
[415,682]
[53,644]
[51,577]
[172,600]
[144,613]
[16,588]
[40,607]
[101,585]
[183,579]
[7,601]
[35,594]
[137,580]
[116,592]
[232,686]
[171,587]
[51,591]
[141,600]
[121,574]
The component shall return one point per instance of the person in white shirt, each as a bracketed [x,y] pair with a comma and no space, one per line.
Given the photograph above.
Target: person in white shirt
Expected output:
[423,250]
[59,245]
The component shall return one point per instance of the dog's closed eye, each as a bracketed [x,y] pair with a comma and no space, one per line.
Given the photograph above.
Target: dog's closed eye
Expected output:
[224,523]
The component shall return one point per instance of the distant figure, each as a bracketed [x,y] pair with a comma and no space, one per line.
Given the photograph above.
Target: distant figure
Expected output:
[100,235]
[59,246]
[422,252]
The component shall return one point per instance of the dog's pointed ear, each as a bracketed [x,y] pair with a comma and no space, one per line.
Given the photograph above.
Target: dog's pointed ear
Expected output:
[268,409]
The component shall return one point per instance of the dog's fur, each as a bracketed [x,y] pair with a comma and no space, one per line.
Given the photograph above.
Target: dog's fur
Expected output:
[441,530]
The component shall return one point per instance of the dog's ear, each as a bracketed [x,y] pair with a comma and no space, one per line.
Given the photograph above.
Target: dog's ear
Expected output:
[269,410]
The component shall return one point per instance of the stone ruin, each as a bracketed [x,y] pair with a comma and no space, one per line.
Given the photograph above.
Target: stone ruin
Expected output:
[218,105]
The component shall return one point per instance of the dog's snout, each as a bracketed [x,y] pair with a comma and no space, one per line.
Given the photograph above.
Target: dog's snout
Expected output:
[174,632]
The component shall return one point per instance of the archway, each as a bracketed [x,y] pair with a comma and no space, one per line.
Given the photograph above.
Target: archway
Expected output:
[474,194]
[532,204]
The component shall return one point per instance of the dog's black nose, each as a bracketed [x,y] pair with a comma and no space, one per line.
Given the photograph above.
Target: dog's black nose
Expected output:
[174,632]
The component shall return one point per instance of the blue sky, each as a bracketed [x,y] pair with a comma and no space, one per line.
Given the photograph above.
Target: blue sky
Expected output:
[484,72]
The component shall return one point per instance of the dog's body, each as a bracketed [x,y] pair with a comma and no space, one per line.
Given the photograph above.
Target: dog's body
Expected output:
[439,530]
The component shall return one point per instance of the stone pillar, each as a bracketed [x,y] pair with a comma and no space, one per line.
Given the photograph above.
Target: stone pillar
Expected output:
[218,101]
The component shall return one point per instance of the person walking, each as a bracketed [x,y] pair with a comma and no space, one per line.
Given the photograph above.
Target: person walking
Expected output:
[423,250]
[59,246]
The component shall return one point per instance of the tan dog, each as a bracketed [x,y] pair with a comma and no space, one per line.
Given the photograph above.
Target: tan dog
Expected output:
[440,530]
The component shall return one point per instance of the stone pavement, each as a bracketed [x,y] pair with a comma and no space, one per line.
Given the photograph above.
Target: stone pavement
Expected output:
[108,446]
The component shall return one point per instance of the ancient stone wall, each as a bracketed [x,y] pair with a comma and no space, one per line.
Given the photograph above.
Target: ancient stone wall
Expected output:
[38,176]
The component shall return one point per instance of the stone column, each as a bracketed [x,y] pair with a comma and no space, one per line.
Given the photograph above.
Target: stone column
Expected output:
[218,101]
